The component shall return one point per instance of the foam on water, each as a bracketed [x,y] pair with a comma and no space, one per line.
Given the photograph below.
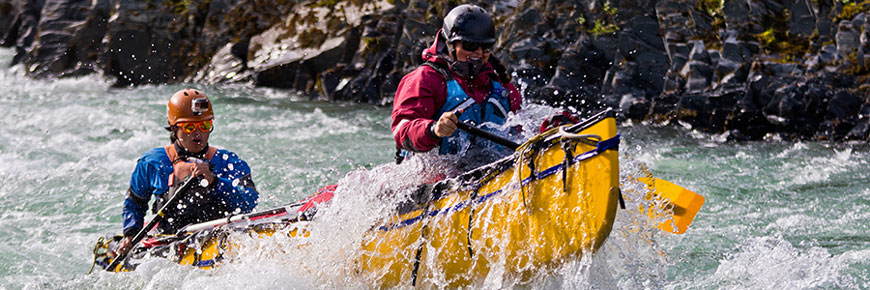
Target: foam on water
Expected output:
[774,263]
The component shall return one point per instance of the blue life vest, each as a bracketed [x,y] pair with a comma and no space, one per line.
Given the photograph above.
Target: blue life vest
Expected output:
[488,116]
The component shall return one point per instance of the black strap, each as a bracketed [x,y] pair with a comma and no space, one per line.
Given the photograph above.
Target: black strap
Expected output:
[427,192]
[440,68]
[183,154]
[565,164]
[141,201]
[471,212]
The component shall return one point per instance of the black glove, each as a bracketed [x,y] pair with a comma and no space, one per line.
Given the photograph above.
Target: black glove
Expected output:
[500,69]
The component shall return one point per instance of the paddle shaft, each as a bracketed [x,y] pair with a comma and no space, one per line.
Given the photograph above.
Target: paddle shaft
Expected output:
[514,145]
[487,135]
[235,218]
[157,218]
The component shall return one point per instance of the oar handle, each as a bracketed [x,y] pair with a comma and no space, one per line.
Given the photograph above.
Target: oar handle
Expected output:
[492,137]
[157,218]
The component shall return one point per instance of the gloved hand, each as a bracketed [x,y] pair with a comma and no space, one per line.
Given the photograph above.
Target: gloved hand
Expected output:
[123,247]
[195,167]
[559,119]
[445,125]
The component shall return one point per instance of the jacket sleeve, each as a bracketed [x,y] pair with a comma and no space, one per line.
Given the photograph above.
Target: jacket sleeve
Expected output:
[516,98]
[414,110]
[138,196]
[235,184]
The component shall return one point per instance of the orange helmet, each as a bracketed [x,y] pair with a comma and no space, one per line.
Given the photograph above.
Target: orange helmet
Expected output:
[188,105]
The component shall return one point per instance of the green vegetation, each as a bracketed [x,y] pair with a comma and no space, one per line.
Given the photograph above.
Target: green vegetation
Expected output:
[777,39]
[711,7]
[178,7]
[325,3]
[852,8]
[601,28]
[334,3]
[767,38]
[604,25]
[611,11]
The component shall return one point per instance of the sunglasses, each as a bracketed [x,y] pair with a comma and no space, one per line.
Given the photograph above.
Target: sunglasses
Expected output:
[473,46]
[189,127]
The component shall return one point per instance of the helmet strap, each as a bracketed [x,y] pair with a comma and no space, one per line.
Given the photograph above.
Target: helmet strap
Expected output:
[183,154]
[451,49]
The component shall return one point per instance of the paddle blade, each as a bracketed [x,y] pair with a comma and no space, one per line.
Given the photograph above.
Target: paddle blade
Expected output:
[686,203]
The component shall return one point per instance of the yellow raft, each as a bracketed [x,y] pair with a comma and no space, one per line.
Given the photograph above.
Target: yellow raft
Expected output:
[554,199]
[565,207]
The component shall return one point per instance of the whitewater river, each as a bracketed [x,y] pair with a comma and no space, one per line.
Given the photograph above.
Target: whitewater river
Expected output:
[779,215]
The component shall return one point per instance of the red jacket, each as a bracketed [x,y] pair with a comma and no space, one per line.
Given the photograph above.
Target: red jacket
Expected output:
[423,92]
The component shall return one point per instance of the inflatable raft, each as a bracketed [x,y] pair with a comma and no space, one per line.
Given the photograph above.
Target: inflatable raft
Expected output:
[554,199]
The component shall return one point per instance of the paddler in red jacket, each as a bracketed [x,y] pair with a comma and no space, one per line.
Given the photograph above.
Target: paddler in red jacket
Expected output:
[460,81]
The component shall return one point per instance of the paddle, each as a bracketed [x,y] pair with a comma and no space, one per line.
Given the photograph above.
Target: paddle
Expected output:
[298,211]
[157,218]
[280,211]
[686,203]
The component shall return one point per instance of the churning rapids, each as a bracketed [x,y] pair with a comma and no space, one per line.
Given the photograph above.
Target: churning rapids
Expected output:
[778,215]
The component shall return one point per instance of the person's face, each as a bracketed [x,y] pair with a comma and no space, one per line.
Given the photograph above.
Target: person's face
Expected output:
[194,140]
[480,51]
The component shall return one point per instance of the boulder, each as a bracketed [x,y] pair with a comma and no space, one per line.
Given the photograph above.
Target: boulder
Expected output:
[639,44]
[802,22]
[634,105]
[286,56]
[843,112]
[578,72]
[848,42]
[69,38]
[698,72]
[225,66]
[22,26]
[738,17]
[861,131]
[825,12]
[140,38]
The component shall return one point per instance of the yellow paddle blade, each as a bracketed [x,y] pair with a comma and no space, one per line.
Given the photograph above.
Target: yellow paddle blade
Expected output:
[686,203]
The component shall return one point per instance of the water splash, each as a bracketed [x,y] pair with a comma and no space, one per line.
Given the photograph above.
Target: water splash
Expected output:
[774,263]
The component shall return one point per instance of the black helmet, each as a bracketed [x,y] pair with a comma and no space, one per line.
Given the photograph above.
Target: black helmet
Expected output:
[469,23]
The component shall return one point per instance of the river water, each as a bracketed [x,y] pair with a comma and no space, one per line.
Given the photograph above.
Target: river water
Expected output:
[778,215]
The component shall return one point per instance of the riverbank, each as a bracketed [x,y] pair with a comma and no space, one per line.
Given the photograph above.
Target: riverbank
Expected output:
[746,70]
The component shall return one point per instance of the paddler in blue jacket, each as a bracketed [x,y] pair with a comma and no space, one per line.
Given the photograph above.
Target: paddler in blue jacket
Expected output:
[225,187]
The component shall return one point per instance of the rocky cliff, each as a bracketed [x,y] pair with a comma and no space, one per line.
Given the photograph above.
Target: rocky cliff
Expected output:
[746,69]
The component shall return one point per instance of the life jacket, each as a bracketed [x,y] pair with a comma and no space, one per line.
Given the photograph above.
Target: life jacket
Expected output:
[197,205]
[488,116]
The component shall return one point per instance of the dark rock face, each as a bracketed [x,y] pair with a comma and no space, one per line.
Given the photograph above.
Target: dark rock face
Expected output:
[743,68]
[19,24]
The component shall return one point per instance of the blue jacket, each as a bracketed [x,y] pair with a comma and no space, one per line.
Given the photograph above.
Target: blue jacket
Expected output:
[151,177]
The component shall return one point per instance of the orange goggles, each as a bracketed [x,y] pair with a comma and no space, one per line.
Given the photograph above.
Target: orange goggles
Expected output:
[189,127]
